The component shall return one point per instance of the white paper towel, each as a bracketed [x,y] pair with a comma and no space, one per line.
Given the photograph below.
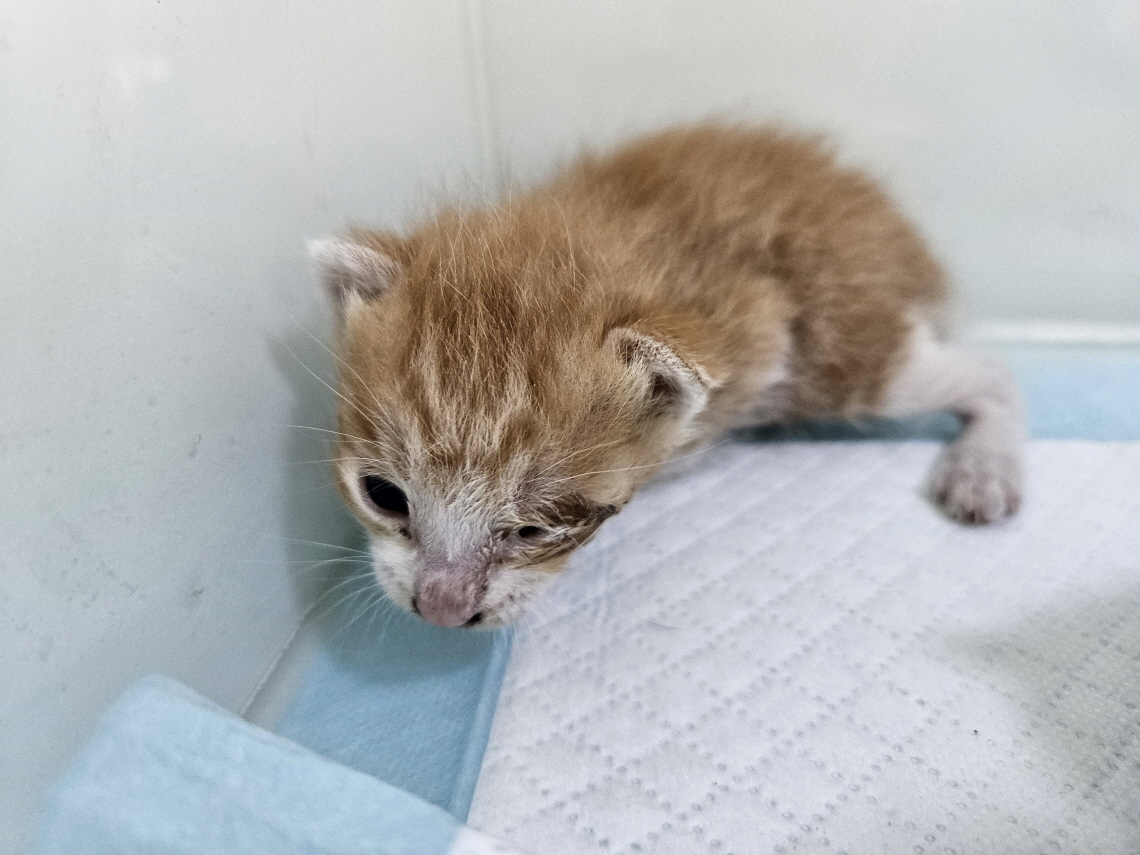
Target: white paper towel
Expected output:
[789,650]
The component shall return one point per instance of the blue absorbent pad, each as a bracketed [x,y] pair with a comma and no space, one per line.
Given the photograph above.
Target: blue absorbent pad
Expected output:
[1079,393]
[406,702]
[169,773]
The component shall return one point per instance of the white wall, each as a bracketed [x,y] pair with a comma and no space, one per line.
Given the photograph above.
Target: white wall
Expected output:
[162,164]
[1011,129]
[163,160]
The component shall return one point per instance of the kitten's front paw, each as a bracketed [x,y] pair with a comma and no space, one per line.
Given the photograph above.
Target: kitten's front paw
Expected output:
[976,485]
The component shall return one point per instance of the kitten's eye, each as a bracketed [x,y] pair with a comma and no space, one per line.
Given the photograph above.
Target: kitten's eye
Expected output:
[385,495]
[530,532]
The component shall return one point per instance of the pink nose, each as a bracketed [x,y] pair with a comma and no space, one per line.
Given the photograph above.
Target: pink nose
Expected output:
[446,599]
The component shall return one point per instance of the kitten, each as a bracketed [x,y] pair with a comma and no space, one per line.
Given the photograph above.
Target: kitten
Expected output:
[511,375]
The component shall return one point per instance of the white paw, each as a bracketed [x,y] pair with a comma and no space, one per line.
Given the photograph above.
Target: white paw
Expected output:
[975,484]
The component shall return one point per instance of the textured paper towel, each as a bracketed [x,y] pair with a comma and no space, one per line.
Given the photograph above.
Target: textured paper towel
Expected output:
[788,650]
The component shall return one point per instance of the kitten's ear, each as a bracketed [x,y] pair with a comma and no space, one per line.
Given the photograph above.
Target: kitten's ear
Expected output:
[352,272]
[672,383]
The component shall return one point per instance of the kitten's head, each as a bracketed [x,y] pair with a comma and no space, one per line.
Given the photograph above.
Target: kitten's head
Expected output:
[495,409]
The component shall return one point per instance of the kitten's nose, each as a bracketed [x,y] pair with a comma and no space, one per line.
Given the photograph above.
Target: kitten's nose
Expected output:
[447,597]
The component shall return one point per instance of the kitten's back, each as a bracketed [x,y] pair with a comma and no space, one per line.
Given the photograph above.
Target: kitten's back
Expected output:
[754,229]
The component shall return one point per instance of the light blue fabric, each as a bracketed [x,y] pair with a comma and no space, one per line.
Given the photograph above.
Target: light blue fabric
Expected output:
[1079,393]
[169,773]
[409,703]
[413,705]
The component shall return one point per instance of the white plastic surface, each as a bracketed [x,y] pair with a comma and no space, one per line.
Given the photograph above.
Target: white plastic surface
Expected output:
[1008,128]
[162,164]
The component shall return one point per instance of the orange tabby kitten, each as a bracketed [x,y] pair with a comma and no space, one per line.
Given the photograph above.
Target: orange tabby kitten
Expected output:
[512,375]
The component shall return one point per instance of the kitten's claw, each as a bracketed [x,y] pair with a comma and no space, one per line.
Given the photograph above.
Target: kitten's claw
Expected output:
[976,486]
